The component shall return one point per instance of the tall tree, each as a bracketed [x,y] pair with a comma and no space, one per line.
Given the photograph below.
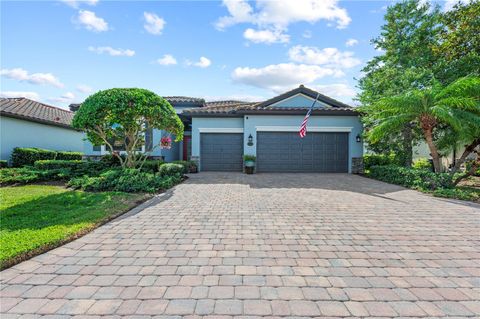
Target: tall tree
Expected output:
[456,105]
[411,29]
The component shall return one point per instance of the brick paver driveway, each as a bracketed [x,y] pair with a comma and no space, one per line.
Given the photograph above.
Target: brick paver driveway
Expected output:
[265,245]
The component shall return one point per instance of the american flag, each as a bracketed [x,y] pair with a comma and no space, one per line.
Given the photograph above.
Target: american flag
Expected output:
[303,127]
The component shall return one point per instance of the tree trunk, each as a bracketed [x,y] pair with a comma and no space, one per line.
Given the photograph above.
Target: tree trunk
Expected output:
[470,172]
[468,150]
[433,150]
[407,145]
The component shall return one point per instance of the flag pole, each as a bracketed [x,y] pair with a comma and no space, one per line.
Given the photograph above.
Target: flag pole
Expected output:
[303,127]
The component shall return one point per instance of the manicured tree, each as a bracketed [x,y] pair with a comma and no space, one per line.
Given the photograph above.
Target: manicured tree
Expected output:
[125,115]
[457,105]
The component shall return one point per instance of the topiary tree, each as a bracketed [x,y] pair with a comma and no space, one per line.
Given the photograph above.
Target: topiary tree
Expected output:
[126,115]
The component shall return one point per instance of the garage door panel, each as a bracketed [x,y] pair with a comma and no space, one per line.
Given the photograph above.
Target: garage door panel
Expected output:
[221,151]
[317,152]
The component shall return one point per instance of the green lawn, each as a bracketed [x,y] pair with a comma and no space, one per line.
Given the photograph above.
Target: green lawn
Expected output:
[35,218]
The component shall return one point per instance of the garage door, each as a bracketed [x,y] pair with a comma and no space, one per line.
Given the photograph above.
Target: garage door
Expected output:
[316,152]
[221,151]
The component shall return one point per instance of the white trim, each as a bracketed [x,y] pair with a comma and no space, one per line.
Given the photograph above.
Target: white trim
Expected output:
[220,129]
[297,128]
[299,94]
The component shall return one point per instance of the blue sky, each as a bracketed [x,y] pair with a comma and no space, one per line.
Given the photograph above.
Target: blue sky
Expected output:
[59,52]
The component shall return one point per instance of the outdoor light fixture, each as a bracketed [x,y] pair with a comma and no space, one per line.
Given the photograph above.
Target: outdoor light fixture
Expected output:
[358,138]
[250,140]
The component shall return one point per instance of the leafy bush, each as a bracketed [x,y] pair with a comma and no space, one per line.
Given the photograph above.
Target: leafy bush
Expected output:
[126,180]
[3,164]
[370,160]
[151,166]
[458,193]
[413,178]
[423,163]
[23,175]
[111,160]
[171,169]
[69,156]
[189,166]
[249,158]
[468,166]
[57,164]
[28,156]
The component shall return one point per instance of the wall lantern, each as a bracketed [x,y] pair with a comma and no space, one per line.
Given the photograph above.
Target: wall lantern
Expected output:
[250,140]
[358,138]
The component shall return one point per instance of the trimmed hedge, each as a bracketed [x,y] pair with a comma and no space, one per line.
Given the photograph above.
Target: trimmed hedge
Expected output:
[413,178]
[188,166]
[126,180]
[152,166]
[28,156]
[55,164]
[370,160]
[458,193]
[170,169]
[3,163]
[26,175]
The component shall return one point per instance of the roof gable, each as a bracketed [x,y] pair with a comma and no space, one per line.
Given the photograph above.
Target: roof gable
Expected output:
[298,100]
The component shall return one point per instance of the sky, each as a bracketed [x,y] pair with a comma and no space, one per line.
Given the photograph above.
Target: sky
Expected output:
[60,52]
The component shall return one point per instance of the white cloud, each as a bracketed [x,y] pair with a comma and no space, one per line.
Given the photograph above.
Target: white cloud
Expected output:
[235,97]
[90,21]
[111,51]
[340,91]
[153,23]
[280,14]
[351,42]
[76,3]
[330,57]
[65,98]
[281,77]
[28,95]
[202,63]
[167,59]
[82,88]
[22,75]
[266,36]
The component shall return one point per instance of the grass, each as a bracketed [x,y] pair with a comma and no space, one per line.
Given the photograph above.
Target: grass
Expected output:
[36,218]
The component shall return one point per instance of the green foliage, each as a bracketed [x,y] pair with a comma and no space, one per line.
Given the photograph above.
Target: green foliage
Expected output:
[112,160]
[151,166]
[370,160]
[36,218]
[412,178]
[251,158]
[458,193]
[468,166]
[126,115]
[3,164]
[22,175]
[126,180]
[57,164]
[189,166]
[423,163]
[170,169]
[28,156]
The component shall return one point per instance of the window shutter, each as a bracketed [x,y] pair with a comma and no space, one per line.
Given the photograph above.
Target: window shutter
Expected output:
[97,148]
[149,140]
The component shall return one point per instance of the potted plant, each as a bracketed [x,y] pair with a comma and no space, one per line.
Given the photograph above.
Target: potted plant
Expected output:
[249,163]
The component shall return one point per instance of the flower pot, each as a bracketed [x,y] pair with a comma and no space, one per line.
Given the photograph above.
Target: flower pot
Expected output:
[249,169]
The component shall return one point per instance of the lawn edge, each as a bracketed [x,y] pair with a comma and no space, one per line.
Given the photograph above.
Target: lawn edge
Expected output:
[43,249]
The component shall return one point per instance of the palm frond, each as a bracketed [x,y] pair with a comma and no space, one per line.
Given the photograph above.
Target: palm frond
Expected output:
[387,126]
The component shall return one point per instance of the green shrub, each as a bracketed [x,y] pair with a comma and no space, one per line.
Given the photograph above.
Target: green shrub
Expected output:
[56,164]
[409,177]
[251,158]
[151,166]
[423,163]
[468,166]
[22,175]
[73,168]
[370,160]
[3,164]
[111,160]
[69,156]
[189,166]
[28,156]
[458,193]
[126,180]
[171,169]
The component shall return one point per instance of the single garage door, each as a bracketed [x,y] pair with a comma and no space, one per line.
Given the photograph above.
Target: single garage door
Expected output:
[221,151]
[316,152]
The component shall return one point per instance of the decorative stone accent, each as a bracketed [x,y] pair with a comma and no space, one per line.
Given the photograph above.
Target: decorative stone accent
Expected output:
[357,165]
[195,159]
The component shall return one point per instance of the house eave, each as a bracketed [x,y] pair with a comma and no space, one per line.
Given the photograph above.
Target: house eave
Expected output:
[36,120]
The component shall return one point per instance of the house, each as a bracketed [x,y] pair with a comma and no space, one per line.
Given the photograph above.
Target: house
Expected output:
[27,123]
[222,132]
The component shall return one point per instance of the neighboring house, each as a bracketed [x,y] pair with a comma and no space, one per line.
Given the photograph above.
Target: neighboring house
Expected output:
[223,132]
[27,123]
[178,151]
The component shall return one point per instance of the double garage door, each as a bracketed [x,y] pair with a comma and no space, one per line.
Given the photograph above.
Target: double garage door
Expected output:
[277,152]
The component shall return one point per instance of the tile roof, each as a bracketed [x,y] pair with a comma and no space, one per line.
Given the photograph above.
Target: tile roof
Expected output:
[29,110]
[184,100]
[239,108]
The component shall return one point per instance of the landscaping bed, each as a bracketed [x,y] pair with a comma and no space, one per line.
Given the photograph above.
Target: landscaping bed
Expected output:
[37,218]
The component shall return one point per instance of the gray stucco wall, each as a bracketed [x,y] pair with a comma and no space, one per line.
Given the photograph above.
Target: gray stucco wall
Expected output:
[21,133]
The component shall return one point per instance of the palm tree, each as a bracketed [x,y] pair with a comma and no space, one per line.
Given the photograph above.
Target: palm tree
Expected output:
[456,105]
